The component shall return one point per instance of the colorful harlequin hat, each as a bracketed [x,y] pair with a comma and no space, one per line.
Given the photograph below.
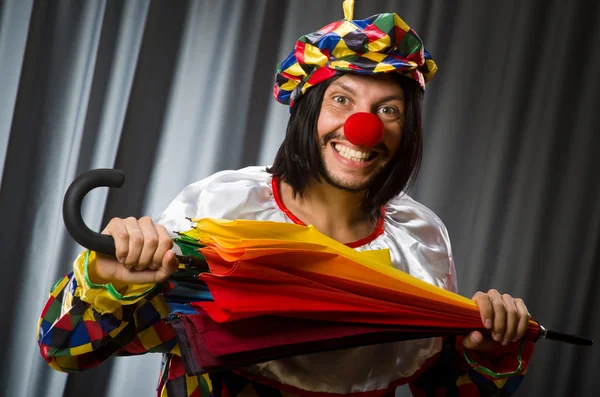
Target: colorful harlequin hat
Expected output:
[382,43]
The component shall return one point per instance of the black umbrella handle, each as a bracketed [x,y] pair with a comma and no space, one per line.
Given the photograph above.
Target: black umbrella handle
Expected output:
[82,185]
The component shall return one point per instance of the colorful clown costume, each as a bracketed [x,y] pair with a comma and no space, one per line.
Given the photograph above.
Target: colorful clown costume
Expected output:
[83,324]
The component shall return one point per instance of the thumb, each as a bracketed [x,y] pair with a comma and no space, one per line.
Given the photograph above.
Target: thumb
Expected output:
[170,264]
[473,340]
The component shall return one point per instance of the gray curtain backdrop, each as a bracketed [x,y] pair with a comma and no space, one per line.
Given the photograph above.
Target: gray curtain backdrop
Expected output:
[172,91]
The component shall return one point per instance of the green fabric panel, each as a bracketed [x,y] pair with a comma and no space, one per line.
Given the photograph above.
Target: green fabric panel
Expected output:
[385,23]
[410,44]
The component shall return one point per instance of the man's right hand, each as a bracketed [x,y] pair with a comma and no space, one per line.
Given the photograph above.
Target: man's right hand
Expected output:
[143,254]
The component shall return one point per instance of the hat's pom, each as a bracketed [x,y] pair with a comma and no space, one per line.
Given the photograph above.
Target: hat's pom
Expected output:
[348,6]
[363,129]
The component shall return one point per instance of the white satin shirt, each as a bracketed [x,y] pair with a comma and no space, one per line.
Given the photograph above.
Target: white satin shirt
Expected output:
[418,244]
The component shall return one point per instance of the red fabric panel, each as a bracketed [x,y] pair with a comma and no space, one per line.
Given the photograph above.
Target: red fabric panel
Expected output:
[229,345]
[254,290]
[249,288]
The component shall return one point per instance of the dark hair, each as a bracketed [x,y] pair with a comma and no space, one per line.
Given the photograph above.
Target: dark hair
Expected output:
[299,158]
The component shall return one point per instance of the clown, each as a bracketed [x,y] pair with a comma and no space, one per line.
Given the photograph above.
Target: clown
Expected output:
[353,146]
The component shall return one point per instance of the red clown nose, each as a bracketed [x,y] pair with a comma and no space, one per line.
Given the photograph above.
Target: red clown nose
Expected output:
[363,129]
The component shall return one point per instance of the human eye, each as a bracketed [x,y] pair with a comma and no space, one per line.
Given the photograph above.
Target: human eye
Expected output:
[389,111]
[341,99]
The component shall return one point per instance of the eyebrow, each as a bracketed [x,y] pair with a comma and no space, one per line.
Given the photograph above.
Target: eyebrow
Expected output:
[344,86]
[353,92]
[392,97]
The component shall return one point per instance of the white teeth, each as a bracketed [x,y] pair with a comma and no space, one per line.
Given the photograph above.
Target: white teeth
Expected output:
[351,154]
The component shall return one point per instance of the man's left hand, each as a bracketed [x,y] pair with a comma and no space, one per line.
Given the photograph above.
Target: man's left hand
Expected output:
[506,317]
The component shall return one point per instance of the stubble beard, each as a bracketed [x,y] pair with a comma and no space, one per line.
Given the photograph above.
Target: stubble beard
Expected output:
[333,180]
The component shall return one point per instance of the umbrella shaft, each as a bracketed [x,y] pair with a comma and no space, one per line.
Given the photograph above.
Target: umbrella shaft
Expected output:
[562,337]
[194,262]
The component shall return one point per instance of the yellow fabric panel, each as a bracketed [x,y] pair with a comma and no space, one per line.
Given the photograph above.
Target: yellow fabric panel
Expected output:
[98,295]
[163,392]
[191,384]
[67,302]
[348,7]
[463,380]
[88,315]
[500,382]
[383,67]
[341,50]
[54,364]
[176,350]
[75,351]
[208,382]
[149,338]
[65,363]
[340,64]
[380,44]
[377,57]
[160,306]
[305,87]
[116,331]
[313,55]
[432,68]
[400,23]
[289,85]
[295,70]
[59,287]
[345,28]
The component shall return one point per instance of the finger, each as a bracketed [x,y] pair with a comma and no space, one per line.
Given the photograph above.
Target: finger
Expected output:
[486,345]
[105,269]
[170,264]
[486,311]
[473,340]
[136,242]
[512,319]
[116,228]
[150,243]
[524,318]
[165,243]
[149,276]
[132,276]
[499,315]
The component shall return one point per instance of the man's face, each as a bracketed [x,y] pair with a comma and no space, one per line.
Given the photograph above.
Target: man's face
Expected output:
[347,166]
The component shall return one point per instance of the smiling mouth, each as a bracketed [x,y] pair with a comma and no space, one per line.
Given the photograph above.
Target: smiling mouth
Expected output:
[355,155]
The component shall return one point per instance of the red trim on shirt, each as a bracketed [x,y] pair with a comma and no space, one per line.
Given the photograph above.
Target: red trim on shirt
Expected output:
[279,201]
[366,240]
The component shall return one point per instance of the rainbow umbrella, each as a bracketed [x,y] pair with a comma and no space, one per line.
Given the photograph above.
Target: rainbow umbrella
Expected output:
[257,290]
[277,292]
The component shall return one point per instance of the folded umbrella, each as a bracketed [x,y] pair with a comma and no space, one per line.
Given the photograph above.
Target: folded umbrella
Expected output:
[294,277]
[209,346]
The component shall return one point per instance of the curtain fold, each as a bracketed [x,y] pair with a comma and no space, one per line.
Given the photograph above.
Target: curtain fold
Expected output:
[172,92]
[14,25]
